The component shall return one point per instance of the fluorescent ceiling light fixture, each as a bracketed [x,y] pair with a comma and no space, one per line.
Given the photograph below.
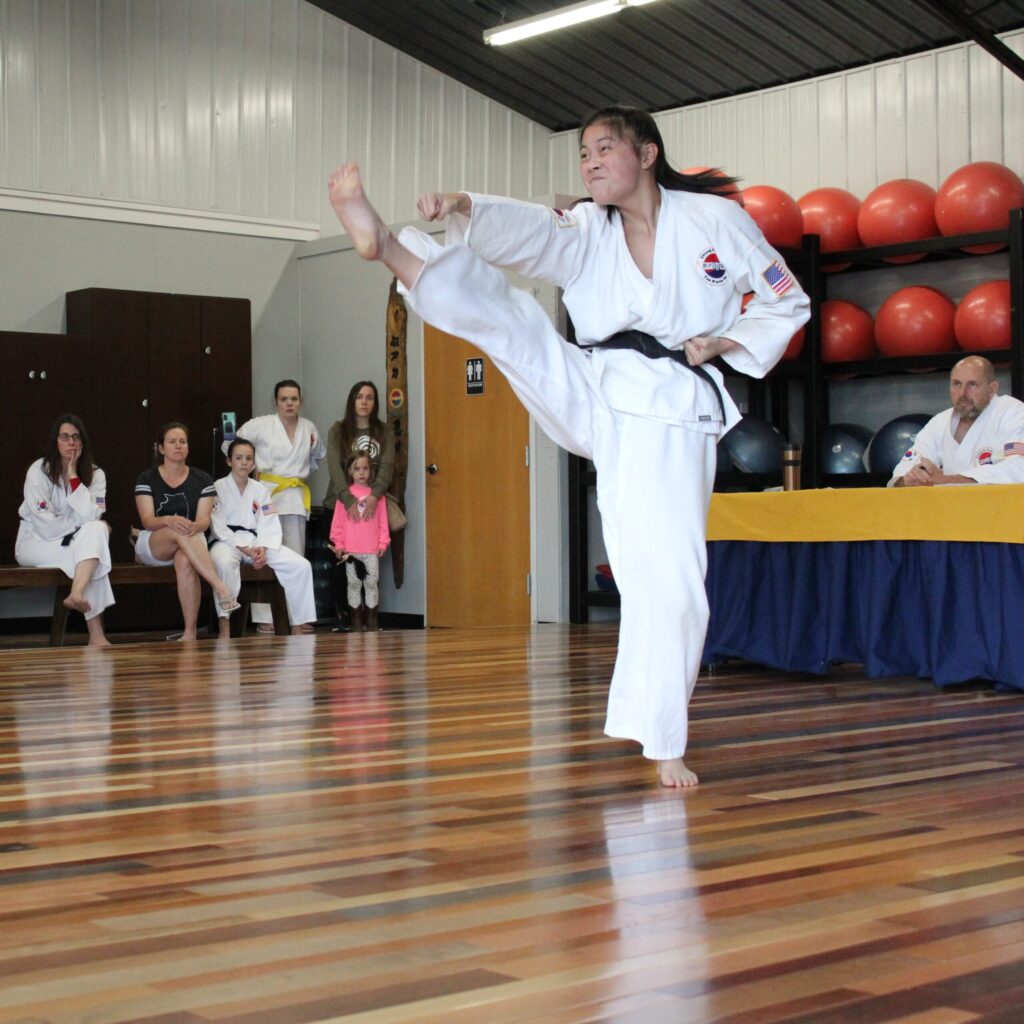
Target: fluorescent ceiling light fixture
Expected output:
[561,17]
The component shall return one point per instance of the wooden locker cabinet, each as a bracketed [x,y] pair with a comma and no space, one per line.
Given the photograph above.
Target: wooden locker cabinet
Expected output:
[43,376]
[158,358]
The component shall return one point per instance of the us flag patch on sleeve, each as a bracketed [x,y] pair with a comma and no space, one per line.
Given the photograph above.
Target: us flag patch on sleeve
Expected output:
[777,278]
[1013,448]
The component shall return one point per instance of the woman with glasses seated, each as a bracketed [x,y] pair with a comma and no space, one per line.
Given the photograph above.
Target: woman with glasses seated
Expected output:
[62,522]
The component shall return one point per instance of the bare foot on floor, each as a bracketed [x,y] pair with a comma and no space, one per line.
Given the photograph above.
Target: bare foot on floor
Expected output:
[673,774]
[101,641]
[368,232]
[77,603]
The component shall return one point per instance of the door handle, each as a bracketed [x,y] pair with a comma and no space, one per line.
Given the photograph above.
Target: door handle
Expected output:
[432,468]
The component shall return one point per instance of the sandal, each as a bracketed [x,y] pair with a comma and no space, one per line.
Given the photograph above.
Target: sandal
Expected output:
[228,604]
[266,628]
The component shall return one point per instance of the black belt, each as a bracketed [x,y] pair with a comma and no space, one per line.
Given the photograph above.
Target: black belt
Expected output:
[211,540]
[649,346]
[69,537]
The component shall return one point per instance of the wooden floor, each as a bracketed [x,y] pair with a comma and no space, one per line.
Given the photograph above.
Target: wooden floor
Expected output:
[430,827]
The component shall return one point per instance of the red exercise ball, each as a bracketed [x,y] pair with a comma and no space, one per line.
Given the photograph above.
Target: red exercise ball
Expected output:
[915,321]
[978,197]
[832,214]
[730,191]
[982,319]
[775,212]
[847,332]
[898,211]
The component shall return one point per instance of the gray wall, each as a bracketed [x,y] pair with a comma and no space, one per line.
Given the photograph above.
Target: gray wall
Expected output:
[43,257]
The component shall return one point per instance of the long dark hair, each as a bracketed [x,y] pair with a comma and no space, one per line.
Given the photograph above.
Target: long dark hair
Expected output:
[349,428]
[52,463]
[640,128]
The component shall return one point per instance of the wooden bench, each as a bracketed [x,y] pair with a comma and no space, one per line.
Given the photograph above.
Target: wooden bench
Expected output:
[259,586]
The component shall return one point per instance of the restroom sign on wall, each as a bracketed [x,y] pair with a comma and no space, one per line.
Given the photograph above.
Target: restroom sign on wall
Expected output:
[474,376]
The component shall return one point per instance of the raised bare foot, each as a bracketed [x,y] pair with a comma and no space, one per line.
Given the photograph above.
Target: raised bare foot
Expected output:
[368,232]
[77,603]
[673,774]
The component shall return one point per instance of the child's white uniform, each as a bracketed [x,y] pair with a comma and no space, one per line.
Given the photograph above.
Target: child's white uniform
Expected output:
[649,425]
[252,513]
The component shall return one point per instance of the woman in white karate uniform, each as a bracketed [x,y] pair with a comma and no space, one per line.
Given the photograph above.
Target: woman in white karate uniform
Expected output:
[245,528]
[289,449]
[653,272]
[62,525]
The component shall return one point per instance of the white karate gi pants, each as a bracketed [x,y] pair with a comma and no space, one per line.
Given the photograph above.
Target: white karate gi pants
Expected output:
[293,536]
[654,483]
[294,573]
[91,541]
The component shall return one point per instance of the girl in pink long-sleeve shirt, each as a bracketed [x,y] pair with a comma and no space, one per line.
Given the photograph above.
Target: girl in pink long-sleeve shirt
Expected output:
[360,543]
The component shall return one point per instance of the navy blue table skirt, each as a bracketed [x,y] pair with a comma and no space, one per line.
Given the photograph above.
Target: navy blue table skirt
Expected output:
[945,611]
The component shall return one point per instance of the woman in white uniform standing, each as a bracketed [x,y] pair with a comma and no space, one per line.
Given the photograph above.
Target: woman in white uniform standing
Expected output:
[652,272]
[245,528]
[62,525]
[289,449]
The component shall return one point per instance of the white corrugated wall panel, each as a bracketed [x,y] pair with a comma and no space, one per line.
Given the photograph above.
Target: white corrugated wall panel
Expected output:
[200,107]
[921,117]
[82,155]
[143,29]
[114,88]
[52,96]
[986,92]
[238,107]
[381,126]
[953,124]
[890,139]
[312,160]
[21,113]
[171,114]
[832,154]
[803,142]
[253,128]
[282,78]
[244,106]
[922,120]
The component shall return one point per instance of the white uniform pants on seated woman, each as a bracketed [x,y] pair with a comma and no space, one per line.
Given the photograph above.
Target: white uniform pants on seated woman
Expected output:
[91,541]
[293,572]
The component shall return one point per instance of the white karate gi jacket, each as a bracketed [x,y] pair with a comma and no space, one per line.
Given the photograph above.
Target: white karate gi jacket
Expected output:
[708,253]
[992,451]
[277,454]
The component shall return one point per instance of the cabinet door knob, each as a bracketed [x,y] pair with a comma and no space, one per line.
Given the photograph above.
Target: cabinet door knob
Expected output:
[31,374]
[208,349]
[42,375]
[432,468]
[145,403]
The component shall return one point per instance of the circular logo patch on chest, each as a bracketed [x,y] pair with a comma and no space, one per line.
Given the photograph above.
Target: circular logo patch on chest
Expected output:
[712,267]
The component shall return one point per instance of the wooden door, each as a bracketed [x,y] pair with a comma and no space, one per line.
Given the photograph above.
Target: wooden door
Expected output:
[478,499]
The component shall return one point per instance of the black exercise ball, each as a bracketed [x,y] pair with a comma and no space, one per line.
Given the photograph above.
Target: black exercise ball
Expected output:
[754,446]
[893,441]
[843,446]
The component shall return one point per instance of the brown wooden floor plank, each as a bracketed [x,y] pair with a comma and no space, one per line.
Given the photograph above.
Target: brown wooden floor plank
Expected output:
[428,826]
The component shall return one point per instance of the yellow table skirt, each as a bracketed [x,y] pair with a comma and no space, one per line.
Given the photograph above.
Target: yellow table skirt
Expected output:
[964,512]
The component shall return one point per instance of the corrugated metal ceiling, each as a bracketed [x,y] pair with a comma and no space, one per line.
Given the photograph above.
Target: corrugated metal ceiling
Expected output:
[668,54]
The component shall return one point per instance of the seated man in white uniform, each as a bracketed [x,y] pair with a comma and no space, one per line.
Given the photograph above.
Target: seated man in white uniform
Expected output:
[980,440]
